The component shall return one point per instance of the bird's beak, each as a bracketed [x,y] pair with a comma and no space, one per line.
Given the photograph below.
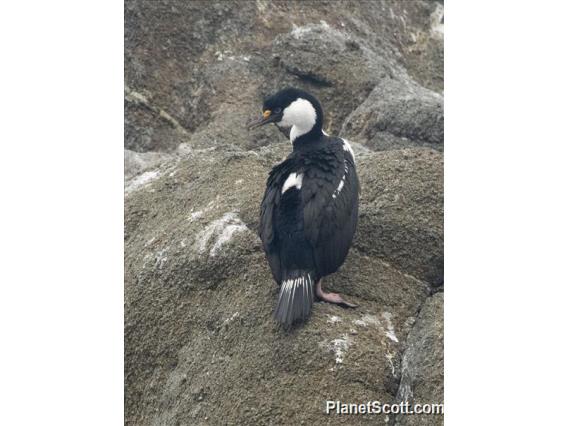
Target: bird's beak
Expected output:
[267,117]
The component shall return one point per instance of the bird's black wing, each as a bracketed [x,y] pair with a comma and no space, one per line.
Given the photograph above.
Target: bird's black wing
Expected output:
[330,211]
[268,207]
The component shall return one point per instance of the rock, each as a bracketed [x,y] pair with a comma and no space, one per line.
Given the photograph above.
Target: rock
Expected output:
[166,45]
[344,74]
[401,216]
[136,163]
[200,66]
[422,380]
[199,298]
[397,114]
[421,40]
[200,344]
[148,127]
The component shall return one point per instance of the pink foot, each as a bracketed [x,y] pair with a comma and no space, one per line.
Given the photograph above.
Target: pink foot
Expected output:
[332,297]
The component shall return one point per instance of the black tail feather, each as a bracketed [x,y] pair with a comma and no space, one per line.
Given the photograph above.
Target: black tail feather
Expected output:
[296,298]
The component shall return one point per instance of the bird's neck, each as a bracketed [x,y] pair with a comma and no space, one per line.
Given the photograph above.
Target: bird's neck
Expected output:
[300,140]
[298,132]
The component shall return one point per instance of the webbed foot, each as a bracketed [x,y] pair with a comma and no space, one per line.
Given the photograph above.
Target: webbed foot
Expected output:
[332,297]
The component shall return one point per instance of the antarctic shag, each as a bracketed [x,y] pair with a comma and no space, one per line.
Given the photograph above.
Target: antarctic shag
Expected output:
[309,211]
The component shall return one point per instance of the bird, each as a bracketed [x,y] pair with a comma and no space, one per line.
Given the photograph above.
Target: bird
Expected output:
[309,212]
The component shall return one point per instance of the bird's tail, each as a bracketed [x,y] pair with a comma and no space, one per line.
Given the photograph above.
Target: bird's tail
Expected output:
[295,299]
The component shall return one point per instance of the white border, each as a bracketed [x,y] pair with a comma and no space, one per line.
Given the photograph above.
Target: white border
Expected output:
[506,191]
[61,303]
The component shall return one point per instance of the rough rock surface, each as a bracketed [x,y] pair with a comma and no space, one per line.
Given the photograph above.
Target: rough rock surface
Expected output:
[194,66]
[200,341]
[200,344]
[422,378]
[136,163]
[401,215]
[398,113]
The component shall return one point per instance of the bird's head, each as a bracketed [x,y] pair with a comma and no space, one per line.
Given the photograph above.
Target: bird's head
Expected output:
[292,108]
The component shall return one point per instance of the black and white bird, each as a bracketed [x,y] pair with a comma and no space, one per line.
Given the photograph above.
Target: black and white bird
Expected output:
[309,212]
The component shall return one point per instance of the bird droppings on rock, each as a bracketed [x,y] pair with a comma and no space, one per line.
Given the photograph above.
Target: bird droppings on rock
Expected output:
[389,356]
[367,319]
[222,230]
[231,318]
[136,163]
[390,329]
[339,347]
[156,259]
[141,180]
[298,32]
[226,236]
[195,215]
[333,319]
[385,326]
[161,258]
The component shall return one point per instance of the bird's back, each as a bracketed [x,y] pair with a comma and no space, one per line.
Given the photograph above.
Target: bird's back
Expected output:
[309,210]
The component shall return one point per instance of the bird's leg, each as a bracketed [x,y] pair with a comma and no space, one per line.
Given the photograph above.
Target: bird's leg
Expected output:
[332,297]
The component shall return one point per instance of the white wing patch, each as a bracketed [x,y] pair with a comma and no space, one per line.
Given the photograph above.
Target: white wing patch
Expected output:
[293,180]
[347,147]
[342,181]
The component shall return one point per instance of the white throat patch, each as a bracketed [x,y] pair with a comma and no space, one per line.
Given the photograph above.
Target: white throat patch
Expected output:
[301,116]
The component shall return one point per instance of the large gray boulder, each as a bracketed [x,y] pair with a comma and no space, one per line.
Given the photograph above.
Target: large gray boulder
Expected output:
[401,214]
[397,114]
[201,346]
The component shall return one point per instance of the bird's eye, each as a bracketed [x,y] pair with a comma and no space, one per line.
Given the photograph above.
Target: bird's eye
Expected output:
[277,110]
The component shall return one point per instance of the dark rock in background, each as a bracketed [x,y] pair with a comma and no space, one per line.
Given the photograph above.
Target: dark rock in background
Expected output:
[397,114]
[341,66]
[200,343]
[212,62]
